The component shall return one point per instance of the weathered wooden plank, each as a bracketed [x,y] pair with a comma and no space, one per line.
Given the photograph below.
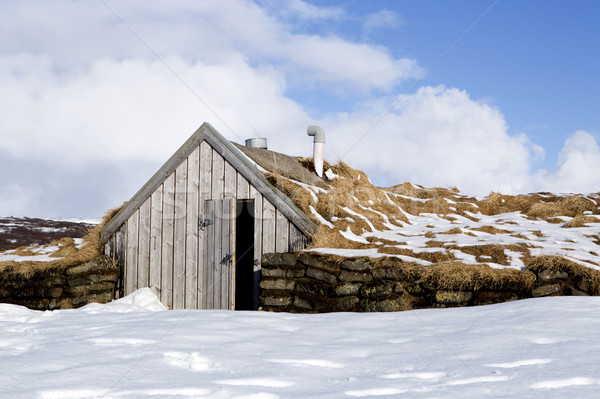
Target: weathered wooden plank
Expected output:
[281,232]
[296,240]
[268,227]
[179,236]
[218,253]
[209,256]
[192,239]
[205,194]
[243,187]
[144,245]
[156,222]
[227,234]
[108,248]
[206,170]
[218,176]
[230,183]
[258,222]
[121,256]
[132,253]
[166,281]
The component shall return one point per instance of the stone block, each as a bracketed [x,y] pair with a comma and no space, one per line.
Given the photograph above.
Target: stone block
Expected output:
[385,305]
[54,281]
[346,304]
[588,286]
[546,290]
[350,277]
[347,289]
[302,303]
[272,272]
[314,287]
[377,291]
[102,297]
[288,271]
[55,292]
[491,297]
[574,291]
[315,262]
[93,278]
[278,259]
[277,284]
[279,301]
[414,289]
[453,297]
[80,290]
[547,275]
[388,273]
[93,266]
[357,265]
[320,274]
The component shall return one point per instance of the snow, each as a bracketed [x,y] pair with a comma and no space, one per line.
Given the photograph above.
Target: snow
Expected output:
[38,253]
[78,220]
[320,218]
[132,348]
[543,238]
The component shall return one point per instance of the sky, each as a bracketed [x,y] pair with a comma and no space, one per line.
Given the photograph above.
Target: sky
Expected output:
[479,95]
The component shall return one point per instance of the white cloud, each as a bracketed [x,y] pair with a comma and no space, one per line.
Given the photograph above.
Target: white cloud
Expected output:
[578,167]
[135,109]
[438,137]
[75,34]
[303,10]
[382,19]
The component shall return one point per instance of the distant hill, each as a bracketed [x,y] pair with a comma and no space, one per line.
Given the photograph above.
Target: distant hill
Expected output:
[17,232]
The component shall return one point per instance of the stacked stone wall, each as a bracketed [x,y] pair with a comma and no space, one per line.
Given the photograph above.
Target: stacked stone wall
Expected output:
[62,288]
[312,283]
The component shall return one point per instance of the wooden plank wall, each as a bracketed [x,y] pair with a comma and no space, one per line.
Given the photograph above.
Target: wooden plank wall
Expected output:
[161,247]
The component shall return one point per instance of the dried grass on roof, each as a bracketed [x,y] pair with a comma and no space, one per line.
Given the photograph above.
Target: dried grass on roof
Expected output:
[562,206]
[462,277]
[383,241]
[331,238]
[433,257]
[459,276]
[484,253]
[455,230]
[497,203]
[491,230]
[352,193]
[581,221]
[351,190]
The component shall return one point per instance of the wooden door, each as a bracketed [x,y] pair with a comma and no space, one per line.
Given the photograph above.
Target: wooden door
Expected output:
[217,224]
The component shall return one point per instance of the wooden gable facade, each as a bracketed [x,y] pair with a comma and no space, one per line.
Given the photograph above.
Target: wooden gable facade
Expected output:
[195,233]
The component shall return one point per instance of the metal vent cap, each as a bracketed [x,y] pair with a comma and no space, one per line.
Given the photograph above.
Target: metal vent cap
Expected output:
[257,142]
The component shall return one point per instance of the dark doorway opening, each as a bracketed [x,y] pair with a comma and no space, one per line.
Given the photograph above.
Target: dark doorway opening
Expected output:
[246,279]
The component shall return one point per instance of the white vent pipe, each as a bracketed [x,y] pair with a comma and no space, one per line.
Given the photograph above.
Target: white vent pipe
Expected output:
[319,148]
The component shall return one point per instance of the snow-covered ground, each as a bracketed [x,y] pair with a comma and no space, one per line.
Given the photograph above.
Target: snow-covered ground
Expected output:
[132,348]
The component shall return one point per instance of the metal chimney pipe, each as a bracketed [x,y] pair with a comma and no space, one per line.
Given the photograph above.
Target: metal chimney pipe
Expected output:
[319,147]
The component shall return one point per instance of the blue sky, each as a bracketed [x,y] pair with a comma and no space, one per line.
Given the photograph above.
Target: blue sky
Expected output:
[534,60]
[97,95]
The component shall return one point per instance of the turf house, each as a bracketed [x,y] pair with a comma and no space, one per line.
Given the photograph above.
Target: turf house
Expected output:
[195,233]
